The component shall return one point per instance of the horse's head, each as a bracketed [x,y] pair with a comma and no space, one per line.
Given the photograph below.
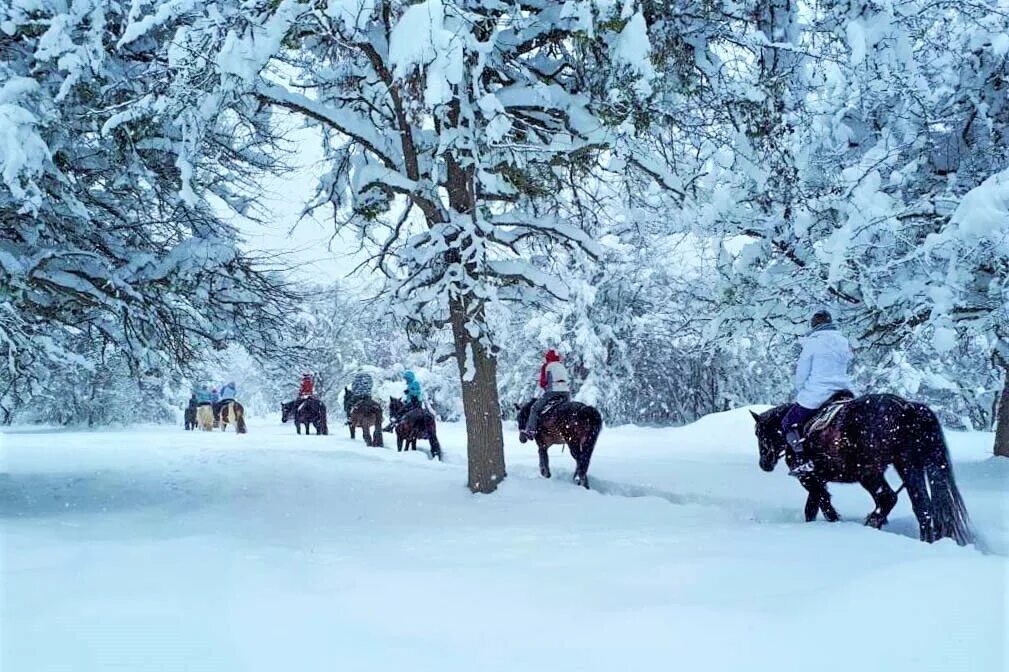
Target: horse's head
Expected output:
[347,394]
[770,440]
[523,414]
[287,410]
[395,407]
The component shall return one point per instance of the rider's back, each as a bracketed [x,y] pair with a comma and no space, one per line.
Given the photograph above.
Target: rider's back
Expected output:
[823,367]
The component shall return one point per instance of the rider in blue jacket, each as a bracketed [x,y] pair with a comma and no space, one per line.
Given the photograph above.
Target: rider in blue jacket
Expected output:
[413,397]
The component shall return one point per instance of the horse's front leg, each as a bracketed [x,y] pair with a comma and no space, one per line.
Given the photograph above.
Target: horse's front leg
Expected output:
[399,440]
[884,497]
[366,435]
[544,460]
[353,432]
[819,498]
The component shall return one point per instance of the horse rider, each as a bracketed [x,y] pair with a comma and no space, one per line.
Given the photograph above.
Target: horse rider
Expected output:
[215,403]
[413,398]
[554,383]
[203,397]
[821,372]
[228,392]
[360,389]
[306,388]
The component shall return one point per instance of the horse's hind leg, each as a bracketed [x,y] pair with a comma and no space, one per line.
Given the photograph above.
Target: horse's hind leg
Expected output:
[921,503]
[884,497]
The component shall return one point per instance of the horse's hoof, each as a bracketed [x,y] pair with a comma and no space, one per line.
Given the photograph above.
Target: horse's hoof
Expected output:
[522,437]
[875,520]
[545,473]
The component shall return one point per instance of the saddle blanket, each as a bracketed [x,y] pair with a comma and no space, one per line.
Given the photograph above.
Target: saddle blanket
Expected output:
[825,416]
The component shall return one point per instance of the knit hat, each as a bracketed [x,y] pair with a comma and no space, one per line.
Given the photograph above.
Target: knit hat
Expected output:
[820,318]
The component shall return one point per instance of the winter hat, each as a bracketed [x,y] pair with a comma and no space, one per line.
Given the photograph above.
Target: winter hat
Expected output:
[552,356]
[409,376]
[820,318]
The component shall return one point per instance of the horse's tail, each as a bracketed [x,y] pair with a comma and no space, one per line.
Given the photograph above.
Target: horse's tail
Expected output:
[949,515]
[239,414]
[323,422]
[595,422]
[377,439]
[431,427]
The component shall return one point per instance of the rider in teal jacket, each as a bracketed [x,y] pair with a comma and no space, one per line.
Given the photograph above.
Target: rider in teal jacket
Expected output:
[413,397]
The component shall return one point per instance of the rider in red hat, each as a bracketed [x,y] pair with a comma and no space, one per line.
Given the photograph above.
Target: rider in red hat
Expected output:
[554,383]
[307,388]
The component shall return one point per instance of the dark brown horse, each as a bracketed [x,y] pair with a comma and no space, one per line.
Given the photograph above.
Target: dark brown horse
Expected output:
[233,412]
[567,422]
[866,436]
[366,413]
[190,416]
[417,423]
[305,412]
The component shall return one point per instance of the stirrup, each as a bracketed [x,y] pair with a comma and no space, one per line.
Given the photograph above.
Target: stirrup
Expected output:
[803,468]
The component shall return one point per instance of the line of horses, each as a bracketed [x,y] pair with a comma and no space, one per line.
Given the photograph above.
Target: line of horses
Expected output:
[230,412]
[569,423]
[865,436]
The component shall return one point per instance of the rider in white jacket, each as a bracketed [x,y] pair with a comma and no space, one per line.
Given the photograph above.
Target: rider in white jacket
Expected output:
[822,371]
[556,385]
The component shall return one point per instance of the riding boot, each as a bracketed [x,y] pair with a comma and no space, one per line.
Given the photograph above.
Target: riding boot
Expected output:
[803,465]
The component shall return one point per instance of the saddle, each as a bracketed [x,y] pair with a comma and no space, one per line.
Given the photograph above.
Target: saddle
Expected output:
[826,413]
[355,400]
[552,406]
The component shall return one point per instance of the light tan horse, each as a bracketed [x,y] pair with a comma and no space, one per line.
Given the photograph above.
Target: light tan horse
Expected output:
[232,411]
[205,417]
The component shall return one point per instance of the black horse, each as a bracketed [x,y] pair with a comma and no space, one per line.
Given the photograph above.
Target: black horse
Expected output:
[571,422]
[413,424]
[866,436]
[305,412]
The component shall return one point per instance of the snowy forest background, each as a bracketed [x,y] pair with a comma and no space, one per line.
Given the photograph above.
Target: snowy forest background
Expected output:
[664,190]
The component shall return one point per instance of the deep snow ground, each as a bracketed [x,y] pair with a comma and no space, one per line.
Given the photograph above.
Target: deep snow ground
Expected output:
[155,549]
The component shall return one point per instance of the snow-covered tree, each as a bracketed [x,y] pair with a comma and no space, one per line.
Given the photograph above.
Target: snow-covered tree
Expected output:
[105,228]
[455,131]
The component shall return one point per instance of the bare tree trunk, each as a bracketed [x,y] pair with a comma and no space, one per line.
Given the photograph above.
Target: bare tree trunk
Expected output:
[478,373]
[1002,418]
